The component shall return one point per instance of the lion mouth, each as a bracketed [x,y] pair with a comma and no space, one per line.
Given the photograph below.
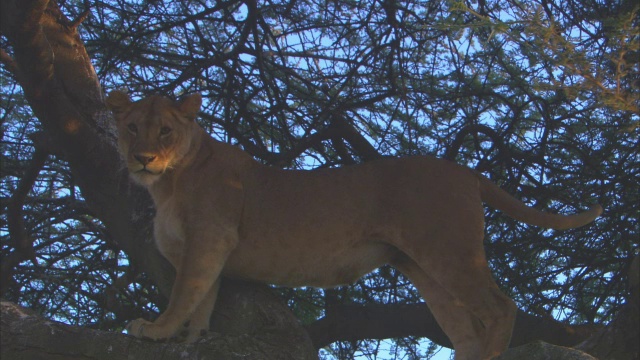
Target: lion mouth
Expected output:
[141,170]
[146,177]
[145,171]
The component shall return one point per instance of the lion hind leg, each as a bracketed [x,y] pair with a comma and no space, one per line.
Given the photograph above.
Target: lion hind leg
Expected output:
[465,330]
[473,312]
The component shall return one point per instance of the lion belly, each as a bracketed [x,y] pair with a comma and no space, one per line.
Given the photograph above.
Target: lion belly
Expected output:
[313,267]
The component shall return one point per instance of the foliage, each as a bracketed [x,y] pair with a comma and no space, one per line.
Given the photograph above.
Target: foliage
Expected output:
[542,97]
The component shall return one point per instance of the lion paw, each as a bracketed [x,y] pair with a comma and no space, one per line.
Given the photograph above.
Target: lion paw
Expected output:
[142,328]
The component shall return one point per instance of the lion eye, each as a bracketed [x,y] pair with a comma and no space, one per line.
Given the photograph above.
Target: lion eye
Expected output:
[132,128]
[165,130]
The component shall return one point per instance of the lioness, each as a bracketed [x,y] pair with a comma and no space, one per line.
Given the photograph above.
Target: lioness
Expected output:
[220,213]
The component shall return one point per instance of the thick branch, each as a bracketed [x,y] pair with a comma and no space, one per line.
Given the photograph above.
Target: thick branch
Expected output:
[15,217]
[28,336]
[355,322]
[359,143]
[15,222]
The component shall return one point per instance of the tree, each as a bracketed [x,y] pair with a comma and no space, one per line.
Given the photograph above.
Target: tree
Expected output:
[543,99]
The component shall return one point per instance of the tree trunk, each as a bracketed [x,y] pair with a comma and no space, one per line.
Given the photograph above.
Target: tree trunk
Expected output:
[61,86]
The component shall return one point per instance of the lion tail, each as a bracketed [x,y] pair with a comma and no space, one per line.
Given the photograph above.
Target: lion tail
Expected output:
[514,208]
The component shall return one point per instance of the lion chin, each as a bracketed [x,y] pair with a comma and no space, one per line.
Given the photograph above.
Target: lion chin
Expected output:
[145,177]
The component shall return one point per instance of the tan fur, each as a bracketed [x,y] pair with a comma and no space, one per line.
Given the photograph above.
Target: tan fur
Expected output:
[220,213]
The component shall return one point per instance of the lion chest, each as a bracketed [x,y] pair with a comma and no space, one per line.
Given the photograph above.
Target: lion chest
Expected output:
[168,229]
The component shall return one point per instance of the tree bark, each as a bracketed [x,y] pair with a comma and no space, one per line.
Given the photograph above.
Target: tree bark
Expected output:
[25,335]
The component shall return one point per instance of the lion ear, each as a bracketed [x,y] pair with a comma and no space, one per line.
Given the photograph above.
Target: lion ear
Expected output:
[118,101]
[190,105]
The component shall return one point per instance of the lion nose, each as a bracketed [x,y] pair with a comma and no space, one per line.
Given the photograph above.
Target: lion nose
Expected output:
[144,159]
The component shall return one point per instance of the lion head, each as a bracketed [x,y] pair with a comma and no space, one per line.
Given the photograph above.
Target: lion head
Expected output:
[155,133]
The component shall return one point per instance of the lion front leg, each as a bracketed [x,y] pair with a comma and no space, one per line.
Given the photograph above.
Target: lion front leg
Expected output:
[195,285]
[192,329]
[198,325]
